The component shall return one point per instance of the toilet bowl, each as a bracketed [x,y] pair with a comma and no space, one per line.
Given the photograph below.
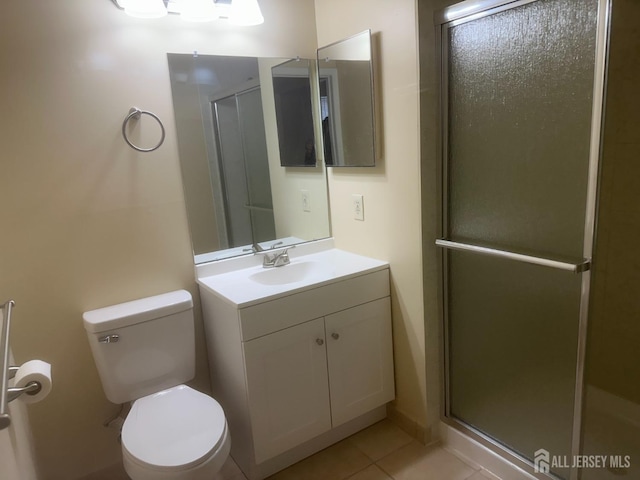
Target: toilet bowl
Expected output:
[175,434]
[144,351]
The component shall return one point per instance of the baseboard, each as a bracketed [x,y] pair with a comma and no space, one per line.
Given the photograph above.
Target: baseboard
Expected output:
[413,428]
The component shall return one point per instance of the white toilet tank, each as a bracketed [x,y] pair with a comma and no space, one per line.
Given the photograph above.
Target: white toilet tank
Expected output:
[143,346]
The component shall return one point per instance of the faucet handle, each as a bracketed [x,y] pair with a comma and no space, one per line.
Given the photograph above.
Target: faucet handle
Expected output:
[255,248]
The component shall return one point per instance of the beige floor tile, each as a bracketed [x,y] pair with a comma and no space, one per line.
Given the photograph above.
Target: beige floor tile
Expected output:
[115,472]
[489,475]
[229,471]
[372,472]
[417,462]
[337,462]
[483,475]
[380,440]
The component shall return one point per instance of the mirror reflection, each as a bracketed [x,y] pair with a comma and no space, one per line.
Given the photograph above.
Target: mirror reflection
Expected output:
[292,95]
[346,98]
[236,191]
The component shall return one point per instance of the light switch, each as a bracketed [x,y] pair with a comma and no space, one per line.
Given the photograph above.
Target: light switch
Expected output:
[358,207]
[306,205]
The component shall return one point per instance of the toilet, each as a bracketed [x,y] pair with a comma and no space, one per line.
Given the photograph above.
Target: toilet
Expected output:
[145,351]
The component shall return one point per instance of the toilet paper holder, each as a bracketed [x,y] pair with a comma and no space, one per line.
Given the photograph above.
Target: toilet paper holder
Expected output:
[7,372]
[30,388]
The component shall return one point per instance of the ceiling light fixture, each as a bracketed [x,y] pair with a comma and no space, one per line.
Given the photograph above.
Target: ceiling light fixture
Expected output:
[245,13]
[238,12]
[198,10]
[144,8]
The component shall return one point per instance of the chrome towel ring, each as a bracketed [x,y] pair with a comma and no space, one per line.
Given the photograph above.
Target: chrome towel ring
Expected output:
[136,113]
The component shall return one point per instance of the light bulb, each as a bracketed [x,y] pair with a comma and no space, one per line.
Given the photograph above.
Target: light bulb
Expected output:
[198,10]
[245,13]
[145,8]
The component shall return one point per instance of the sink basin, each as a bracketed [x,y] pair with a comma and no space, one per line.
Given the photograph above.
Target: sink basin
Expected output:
[243,282]
[292,273]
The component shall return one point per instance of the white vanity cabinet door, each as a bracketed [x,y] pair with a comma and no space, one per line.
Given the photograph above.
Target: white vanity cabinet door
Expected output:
[288,389]
[360,359]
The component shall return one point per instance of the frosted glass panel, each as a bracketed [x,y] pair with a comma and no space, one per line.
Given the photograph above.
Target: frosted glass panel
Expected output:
[519,107]
[520,93]
[233,172]
[254,144]
[513,329]
[257,165]
[245,168]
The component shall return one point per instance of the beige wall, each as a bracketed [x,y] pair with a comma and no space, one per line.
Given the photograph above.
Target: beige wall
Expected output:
[87,221]
[192,147]
[391,229]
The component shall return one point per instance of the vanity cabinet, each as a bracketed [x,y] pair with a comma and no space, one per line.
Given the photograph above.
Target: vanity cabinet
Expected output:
[306,379]
[297,373]
[288,388]
[359,359]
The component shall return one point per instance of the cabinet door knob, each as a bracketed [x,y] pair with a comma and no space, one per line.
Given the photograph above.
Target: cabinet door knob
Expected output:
[335,336]
[320,341]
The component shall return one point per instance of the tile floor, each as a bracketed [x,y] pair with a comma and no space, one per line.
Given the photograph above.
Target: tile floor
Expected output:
[380,452]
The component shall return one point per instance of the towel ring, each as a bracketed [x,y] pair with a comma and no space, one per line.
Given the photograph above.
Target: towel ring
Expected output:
[137,113]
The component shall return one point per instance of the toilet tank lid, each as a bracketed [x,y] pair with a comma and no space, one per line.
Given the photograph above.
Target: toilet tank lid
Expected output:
[136,311]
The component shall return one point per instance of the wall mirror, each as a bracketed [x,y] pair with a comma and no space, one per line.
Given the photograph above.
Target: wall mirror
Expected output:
[236,191]
[345,76]
[294,113]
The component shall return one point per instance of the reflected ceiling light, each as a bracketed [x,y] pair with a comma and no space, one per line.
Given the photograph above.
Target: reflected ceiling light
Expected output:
[144,8]
[245,13]
[198,10]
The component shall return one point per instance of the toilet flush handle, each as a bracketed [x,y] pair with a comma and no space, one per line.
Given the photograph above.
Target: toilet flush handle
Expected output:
[109,338]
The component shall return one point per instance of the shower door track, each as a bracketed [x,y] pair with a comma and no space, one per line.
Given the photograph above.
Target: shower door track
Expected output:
[455,15]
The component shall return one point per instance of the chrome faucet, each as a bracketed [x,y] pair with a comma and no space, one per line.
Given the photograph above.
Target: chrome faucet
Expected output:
[278,258]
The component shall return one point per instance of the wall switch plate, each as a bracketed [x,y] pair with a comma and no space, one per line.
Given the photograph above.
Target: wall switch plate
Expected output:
[306,204]
[358,207]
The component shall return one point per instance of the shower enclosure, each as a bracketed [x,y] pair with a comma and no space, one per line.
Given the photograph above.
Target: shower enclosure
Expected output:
[238,123]
[523,86]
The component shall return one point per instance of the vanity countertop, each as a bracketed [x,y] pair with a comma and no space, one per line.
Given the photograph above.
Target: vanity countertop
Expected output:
[253,284]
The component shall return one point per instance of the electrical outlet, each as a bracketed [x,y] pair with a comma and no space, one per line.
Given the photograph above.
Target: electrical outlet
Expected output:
[306,204]
[358,207]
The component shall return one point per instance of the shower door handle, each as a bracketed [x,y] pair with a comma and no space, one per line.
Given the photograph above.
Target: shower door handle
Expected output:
[578,267]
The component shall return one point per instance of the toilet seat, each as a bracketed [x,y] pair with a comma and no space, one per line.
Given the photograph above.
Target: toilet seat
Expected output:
[174,430]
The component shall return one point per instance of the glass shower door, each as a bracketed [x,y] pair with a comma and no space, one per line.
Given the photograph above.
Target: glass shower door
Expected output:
[244,167]
[518,198]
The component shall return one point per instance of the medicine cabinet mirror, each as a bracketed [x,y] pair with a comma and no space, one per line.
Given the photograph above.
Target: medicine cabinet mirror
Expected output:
[345,77]
[294,114]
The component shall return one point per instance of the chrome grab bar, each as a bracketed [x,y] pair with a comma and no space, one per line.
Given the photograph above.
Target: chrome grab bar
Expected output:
[5,420]
[7,371]
[578,267]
